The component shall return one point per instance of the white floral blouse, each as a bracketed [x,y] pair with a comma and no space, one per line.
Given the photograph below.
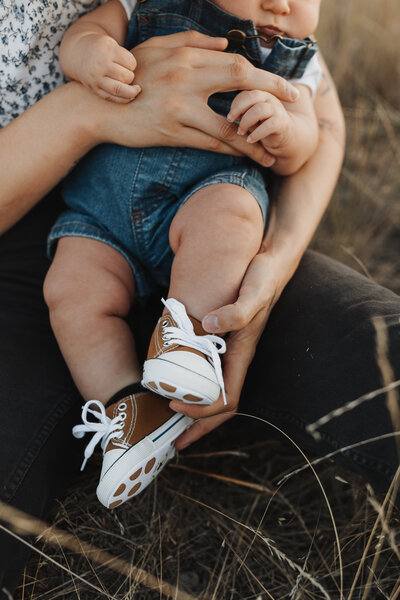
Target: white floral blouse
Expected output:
[30,34]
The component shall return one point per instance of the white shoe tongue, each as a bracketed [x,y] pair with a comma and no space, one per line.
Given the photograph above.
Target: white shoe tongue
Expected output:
[197,326]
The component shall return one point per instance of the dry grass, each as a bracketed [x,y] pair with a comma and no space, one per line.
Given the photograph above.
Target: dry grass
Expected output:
[220,525]
[363,221]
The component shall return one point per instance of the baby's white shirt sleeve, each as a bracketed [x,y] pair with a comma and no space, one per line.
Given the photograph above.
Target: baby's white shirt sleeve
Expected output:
[311,77]
[129,6]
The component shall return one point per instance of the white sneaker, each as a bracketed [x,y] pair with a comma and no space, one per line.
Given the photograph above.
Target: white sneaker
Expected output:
[183,361]
[137,436]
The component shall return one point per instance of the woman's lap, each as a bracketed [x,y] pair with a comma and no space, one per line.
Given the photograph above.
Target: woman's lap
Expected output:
[318,353]
[325,358]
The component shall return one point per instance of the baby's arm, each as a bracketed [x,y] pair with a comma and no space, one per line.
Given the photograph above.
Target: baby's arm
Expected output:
[91,53]
[288,131]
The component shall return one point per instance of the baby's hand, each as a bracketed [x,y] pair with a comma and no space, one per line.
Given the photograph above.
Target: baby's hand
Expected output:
[265,117]
[107,68]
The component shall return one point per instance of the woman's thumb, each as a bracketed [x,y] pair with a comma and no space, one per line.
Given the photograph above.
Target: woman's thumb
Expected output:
[231,317]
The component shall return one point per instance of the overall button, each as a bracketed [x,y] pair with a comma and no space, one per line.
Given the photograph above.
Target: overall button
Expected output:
[236,38]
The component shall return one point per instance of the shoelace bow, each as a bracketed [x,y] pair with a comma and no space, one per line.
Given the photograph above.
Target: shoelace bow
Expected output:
[184,335]
[104,430]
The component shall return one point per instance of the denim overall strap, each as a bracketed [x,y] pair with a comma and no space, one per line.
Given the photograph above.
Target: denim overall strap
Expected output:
[289,57]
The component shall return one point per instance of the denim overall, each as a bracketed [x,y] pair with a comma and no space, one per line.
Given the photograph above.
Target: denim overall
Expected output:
[127,197]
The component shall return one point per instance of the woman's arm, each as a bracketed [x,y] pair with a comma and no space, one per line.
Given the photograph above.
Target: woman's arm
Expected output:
[302,201]
[39,147]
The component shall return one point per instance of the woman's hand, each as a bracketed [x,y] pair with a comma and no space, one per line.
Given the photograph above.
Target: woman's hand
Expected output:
[245,320]
[177,75]
[302,200]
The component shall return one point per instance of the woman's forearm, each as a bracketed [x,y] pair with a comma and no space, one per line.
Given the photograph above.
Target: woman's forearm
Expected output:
[304,196]
[40,146]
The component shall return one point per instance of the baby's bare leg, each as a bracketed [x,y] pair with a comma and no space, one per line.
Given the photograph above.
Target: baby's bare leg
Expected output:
[214,237]
[89,290]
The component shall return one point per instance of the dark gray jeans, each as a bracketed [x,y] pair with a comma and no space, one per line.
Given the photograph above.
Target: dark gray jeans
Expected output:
[317,353]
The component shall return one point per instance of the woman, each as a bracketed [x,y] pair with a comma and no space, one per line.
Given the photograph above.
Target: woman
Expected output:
[326,307]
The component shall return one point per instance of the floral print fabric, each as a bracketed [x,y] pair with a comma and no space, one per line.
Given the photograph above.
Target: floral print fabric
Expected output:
[30,35]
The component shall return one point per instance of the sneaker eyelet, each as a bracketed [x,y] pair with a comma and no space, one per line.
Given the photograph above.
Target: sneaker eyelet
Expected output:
[122,416]
[166,344]
[164,323]
[122,406]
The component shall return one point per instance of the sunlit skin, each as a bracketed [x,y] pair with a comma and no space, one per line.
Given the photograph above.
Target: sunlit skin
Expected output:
[290,18]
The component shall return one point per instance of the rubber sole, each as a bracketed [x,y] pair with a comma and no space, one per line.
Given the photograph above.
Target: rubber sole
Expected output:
[178,383]
[140,464]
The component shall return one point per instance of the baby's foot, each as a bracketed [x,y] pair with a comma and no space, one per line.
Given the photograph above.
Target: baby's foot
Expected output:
[183,361]
[137,435]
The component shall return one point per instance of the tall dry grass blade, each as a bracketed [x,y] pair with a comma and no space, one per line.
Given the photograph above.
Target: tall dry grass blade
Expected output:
[264,589]
[252,486]
[316,461]
[382,358]
[338,412]
[25,524]
[358,261]
[328,504]
[53,561]
[379,545]
[391,134]
[390,535]
[389,495]
[396,591]
[269,543]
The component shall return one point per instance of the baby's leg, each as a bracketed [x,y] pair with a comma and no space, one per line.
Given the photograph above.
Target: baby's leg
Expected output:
[89,290]
[214,237]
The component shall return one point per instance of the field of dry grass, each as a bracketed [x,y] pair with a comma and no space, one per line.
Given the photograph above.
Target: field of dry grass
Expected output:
[216,525]
[362,224]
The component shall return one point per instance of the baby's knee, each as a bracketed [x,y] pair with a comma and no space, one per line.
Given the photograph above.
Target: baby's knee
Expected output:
[221,209]
[64,298]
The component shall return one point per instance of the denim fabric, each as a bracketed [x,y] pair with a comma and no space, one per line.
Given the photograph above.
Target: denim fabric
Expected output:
[127,197]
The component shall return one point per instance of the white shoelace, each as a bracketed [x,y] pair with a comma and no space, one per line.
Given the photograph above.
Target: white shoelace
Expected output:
[105,430]
[184,335]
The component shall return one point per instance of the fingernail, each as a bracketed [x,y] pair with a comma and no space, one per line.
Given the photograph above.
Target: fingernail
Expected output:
[268,161]
[230,117]
[175,408]
[294,94]
[211,323]
[240,131]
[249,139]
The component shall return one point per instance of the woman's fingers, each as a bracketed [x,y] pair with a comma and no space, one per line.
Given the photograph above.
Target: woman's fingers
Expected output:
[236,316]
[230,72]
[194,138]
[200,428]
[215,125]
[192,39]
[194,411]
[259,291]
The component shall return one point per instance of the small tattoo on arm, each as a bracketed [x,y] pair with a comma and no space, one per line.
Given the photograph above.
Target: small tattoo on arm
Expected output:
[326,124]
[325,86]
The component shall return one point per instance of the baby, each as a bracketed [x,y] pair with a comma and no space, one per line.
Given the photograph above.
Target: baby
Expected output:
[141,219]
